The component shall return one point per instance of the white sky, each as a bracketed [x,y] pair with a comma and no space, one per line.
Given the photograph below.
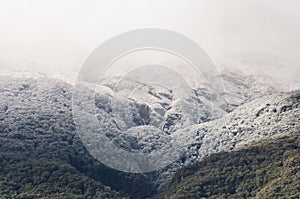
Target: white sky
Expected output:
[55,37]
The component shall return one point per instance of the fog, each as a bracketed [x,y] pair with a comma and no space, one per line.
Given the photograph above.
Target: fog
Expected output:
[55,37]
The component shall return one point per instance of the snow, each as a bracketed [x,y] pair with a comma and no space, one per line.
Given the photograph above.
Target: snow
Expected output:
[146,116]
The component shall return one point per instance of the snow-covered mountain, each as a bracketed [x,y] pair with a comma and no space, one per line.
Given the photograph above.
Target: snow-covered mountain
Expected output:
[144,116]
[240,87]
[125,104]
[259,119]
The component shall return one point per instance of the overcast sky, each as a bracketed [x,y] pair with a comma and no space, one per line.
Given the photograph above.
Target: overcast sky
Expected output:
[55,37]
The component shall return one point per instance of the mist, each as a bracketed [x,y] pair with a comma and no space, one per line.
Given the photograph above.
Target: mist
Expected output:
[54,38]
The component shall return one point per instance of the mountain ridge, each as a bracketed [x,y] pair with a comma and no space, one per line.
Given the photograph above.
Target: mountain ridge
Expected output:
[36,115]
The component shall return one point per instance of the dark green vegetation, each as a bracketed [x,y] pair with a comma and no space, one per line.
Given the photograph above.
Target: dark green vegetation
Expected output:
[59,167]
[266,170]
[55,169]
[63,169]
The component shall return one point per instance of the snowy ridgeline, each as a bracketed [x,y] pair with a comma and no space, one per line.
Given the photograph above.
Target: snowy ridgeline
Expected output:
[143,117]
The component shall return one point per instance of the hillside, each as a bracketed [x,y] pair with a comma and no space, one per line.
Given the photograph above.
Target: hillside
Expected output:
[269,169]
[41,155]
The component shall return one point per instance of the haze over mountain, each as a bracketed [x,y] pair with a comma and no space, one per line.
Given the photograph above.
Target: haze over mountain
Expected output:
[232,134]
[261,36]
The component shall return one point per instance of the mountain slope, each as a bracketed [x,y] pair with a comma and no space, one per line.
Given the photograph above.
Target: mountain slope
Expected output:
[42,154]
[265,170]
[259,119]
[240,87]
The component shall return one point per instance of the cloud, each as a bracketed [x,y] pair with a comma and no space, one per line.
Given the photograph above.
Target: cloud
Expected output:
[59,35]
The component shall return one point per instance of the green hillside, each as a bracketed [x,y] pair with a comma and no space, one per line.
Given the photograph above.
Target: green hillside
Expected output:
[266,170]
